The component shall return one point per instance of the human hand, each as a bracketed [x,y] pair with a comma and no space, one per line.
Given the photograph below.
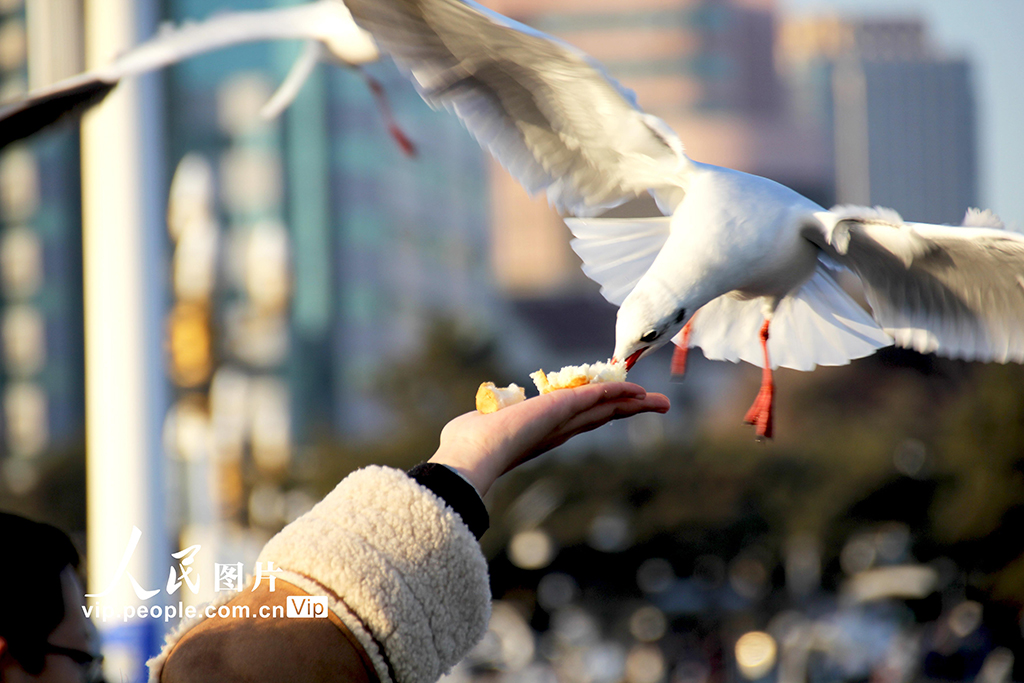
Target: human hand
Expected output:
[483,447]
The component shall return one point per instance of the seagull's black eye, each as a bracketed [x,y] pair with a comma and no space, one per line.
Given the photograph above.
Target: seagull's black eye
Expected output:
[680,315]
[649,336]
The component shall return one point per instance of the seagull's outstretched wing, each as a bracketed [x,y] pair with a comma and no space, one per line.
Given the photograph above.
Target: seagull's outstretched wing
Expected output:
[326,21]
[546,111]
[955,291]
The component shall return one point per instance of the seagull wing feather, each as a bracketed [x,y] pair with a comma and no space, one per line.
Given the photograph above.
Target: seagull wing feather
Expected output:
[617,252]
[327,20]
[955,291]
[546,111]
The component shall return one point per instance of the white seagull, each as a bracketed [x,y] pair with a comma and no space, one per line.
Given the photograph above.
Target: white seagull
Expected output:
[736,256]
[325,25]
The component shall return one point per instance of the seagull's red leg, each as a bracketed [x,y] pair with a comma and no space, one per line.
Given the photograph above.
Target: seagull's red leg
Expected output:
[407,146]
[760,413]
[681,351]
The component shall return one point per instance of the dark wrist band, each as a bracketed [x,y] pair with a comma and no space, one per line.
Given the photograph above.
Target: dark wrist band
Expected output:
[460,495]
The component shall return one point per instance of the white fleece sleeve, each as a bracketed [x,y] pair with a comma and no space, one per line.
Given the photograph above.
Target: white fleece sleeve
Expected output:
[399,568]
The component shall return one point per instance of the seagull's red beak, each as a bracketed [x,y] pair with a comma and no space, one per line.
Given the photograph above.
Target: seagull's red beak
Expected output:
[631,361]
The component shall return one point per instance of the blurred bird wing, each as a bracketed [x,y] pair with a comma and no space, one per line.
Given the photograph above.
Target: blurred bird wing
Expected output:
[40,109]
[617,252]
[328,21]
[548,112]
[293,82]
[955,291]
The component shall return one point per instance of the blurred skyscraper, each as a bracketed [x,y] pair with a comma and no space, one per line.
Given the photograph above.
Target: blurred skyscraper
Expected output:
[900,113]
[411,235]
[41,371]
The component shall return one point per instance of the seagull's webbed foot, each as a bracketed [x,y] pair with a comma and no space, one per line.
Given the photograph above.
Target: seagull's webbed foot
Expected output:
[760,413]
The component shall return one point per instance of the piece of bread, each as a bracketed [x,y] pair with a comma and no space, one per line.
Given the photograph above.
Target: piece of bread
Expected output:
[490,398]
[578,375]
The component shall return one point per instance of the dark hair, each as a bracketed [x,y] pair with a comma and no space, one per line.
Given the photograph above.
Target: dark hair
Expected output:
[32,601]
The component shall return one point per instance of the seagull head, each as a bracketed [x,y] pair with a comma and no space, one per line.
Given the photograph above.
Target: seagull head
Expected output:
[647,320]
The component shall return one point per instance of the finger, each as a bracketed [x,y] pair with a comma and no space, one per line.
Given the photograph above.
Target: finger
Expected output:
[614,410]
[560,405]
[592,419]
[536,425]
[606,412]
[581,398]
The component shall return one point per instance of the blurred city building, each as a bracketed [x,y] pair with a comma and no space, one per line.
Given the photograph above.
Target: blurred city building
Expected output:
[378,243]
[41,371]
[899,112]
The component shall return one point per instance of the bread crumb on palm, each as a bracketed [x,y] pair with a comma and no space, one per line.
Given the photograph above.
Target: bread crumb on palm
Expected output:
[578,375]
[490,398]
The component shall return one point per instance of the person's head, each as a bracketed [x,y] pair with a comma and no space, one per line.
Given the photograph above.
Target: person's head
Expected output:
[44,636]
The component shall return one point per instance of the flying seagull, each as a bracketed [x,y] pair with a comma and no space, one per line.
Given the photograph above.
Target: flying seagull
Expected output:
[739,265]
[325,25]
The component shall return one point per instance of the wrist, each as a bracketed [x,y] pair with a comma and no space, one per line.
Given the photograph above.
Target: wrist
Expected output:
[455,490]
[476,472]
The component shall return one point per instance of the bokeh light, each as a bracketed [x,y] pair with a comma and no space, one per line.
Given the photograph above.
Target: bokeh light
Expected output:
[645,664]
[532,549]
[755,654]
[647,624]
[655,575]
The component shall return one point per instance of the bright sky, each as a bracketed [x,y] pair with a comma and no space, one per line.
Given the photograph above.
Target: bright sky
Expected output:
[988,33]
